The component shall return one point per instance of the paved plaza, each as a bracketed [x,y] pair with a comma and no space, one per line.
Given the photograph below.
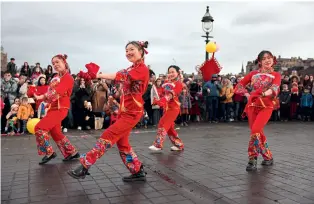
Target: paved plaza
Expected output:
[211,169]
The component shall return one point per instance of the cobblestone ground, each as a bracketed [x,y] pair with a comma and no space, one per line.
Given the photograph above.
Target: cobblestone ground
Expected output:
[210,170]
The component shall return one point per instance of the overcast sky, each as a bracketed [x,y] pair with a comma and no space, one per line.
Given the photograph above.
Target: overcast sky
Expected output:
[98,32]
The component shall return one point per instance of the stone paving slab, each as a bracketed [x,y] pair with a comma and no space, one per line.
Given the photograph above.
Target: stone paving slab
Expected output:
[210,170]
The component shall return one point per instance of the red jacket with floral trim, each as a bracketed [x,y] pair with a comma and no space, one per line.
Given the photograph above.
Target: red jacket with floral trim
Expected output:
[260,82]
[59,92]
[134,82]
[170,88]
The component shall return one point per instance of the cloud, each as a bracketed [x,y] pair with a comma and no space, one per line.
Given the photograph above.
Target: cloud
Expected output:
[98,32]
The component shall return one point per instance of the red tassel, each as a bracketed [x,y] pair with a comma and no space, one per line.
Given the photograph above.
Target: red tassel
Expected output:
[209,68]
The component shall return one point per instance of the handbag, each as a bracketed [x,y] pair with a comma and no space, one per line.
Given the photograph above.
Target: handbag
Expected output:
[222,98]
[99,122]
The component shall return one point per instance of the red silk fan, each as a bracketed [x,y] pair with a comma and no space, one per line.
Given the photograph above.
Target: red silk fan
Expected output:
[92,70]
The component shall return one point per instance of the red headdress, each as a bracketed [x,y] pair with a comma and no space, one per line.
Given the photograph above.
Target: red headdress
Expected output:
[143,44]
[209,68]
[63,57]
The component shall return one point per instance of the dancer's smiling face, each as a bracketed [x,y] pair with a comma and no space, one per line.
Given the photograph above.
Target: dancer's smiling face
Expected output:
[267,61]
[133,53]
[58,64]
[172,73]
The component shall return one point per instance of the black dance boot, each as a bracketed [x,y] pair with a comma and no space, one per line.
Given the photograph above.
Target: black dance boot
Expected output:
[71,157]
[267,162]
[79,173]
[251,166]
[47,159]
[139,176]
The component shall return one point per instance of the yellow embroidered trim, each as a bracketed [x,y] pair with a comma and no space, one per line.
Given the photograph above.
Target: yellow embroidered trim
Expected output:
[137,103]
[262,102]
[122,107]
[177,102]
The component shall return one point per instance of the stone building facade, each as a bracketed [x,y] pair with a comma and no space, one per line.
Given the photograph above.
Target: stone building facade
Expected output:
[4,60]
[284,64]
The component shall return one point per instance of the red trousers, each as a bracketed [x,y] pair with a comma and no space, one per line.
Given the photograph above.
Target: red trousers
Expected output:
[119,133]
[52,124]
[293,109]
[258,118]
[166,126]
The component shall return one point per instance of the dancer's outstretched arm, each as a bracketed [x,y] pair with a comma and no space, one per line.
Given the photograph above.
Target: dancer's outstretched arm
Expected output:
[106,76]
[39,97]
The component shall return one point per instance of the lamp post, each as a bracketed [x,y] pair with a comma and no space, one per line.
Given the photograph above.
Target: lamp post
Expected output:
[207,21]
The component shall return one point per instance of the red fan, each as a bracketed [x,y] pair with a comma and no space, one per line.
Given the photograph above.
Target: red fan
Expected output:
[168,87]
[92,70]
[209,68]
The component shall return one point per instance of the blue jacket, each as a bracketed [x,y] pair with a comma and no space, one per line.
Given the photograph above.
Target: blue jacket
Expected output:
[306,100]
[214,89]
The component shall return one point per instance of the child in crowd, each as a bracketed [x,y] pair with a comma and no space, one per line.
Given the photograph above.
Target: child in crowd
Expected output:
[306,104]
[284,98]
[12,120]
[25,112]
[112,109]
[275,113]
[294,100]
[144,121]
[185,106]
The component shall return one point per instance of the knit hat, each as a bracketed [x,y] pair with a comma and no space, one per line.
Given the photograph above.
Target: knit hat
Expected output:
[14,106]
[292,77]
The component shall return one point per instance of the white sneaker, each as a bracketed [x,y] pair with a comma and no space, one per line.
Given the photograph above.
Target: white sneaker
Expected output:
[65,130]
[79,128]
[174,148]
[154,148]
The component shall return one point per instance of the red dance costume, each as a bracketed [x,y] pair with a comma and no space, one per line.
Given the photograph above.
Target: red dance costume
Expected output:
[171,109]
[259,109]
[134,81]
[40,90]
[58,98]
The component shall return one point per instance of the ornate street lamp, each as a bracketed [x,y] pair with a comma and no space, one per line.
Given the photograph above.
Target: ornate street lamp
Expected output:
[207,21]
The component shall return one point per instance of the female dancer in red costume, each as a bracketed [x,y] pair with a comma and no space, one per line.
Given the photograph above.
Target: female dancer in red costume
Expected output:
[261,101]
[171,105]
[58,98]
[134,80]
